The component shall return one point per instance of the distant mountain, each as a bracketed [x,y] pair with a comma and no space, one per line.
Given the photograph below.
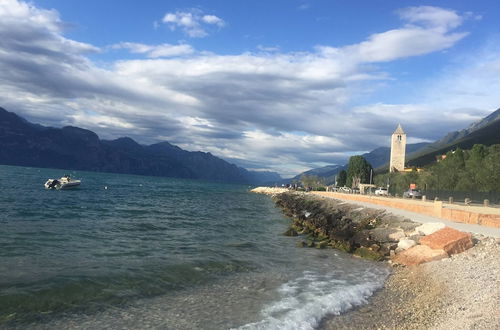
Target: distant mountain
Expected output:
[265,177]
[485,131]
[26,144]
[328,173]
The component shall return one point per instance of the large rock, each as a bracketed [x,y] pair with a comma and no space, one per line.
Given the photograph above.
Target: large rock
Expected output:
[405,244]
[406,225]
[429,228]
[385,235]
[418,255]
[450,240]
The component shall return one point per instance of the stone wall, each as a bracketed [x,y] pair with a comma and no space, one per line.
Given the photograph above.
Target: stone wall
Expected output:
[435,209]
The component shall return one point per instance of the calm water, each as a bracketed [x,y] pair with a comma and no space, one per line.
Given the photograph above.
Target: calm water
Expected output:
[165,253]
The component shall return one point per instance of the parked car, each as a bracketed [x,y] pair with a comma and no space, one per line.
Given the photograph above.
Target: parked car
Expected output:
[410,193]
[355,190]
[382,191]
[345,189]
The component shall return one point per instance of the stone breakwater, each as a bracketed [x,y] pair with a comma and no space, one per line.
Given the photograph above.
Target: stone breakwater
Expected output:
[369,233]
[269,190]
[459,292]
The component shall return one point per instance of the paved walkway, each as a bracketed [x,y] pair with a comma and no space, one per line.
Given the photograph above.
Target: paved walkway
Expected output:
[477,229]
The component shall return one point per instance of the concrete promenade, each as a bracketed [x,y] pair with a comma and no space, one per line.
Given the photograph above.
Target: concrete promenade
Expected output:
[474,219]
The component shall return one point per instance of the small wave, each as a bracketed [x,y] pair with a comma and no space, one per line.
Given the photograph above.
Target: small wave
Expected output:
[142,227]
[305,301]
[244,245]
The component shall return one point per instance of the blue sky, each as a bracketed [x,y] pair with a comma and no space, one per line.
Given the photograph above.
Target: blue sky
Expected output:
[277,85]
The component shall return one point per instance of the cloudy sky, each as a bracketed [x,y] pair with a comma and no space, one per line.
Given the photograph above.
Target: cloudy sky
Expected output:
[283,85]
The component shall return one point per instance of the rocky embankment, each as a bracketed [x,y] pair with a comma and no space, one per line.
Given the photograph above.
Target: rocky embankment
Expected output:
[269,190]
[369,233]
[458,290]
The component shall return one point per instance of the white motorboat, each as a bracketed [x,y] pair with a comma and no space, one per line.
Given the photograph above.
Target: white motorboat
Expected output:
[65,182]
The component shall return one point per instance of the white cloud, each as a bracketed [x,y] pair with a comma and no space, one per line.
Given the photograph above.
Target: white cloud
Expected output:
[287,111]
[431,17]
[155,51]
[212,19]
[430,31]
[191,22]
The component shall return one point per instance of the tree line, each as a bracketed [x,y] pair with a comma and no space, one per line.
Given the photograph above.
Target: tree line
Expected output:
[358,171]
[477,169]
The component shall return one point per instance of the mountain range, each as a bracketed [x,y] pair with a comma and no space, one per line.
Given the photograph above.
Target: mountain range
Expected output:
[26,144]
[485,131]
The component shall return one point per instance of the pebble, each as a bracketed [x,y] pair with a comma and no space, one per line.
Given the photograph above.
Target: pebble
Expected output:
[454,293]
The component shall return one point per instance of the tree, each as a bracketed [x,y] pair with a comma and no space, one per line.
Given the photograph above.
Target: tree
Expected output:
[358,171]
[342,178]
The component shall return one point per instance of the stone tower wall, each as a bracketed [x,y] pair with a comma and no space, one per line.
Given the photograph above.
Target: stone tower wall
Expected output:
[398,149]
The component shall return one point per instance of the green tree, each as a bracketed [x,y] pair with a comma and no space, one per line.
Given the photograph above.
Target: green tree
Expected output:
[342,178]
[477,169]
[492,169]
[358,171]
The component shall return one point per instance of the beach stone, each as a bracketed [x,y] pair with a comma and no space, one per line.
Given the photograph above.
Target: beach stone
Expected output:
[387,248]
[416,237]
[429,228]
[405,244]
[290,232]
[384,235]
[397,235]
[363,238]
[366,253]
[407,226]
[450,240]
[417,255]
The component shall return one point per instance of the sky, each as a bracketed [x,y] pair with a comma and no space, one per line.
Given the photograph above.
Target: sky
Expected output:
[283,85]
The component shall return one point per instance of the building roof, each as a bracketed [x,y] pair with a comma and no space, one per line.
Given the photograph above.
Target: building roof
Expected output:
[399,130]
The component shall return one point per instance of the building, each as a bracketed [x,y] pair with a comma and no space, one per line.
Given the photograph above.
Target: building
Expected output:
[398,150]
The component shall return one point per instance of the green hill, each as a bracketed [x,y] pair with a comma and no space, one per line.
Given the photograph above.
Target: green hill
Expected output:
[487,135]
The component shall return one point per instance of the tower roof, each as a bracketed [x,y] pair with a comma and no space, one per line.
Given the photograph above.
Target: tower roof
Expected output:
[399,130]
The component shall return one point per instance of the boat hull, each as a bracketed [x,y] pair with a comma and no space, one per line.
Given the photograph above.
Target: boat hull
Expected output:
[62,184]
[70,185]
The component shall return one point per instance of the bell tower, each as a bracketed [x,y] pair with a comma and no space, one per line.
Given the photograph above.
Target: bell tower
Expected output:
[398,149]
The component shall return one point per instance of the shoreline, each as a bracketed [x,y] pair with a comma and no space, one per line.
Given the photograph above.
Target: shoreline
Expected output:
[458,292]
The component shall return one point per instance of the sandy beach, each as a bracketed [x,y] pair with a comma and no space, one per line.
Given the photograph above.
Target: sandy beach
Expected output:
[461,292]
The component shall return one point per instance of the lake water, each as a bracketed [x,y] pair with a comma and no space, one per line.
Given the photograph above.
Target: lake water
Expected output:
[151,252]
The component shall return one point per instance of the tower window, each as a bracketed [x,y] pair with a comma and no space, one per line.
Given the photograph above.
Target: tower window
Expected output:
[399,137]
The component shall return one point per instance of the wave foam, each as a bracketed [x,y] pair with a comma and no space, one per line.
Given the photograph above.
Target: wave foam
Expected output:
[309,298]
